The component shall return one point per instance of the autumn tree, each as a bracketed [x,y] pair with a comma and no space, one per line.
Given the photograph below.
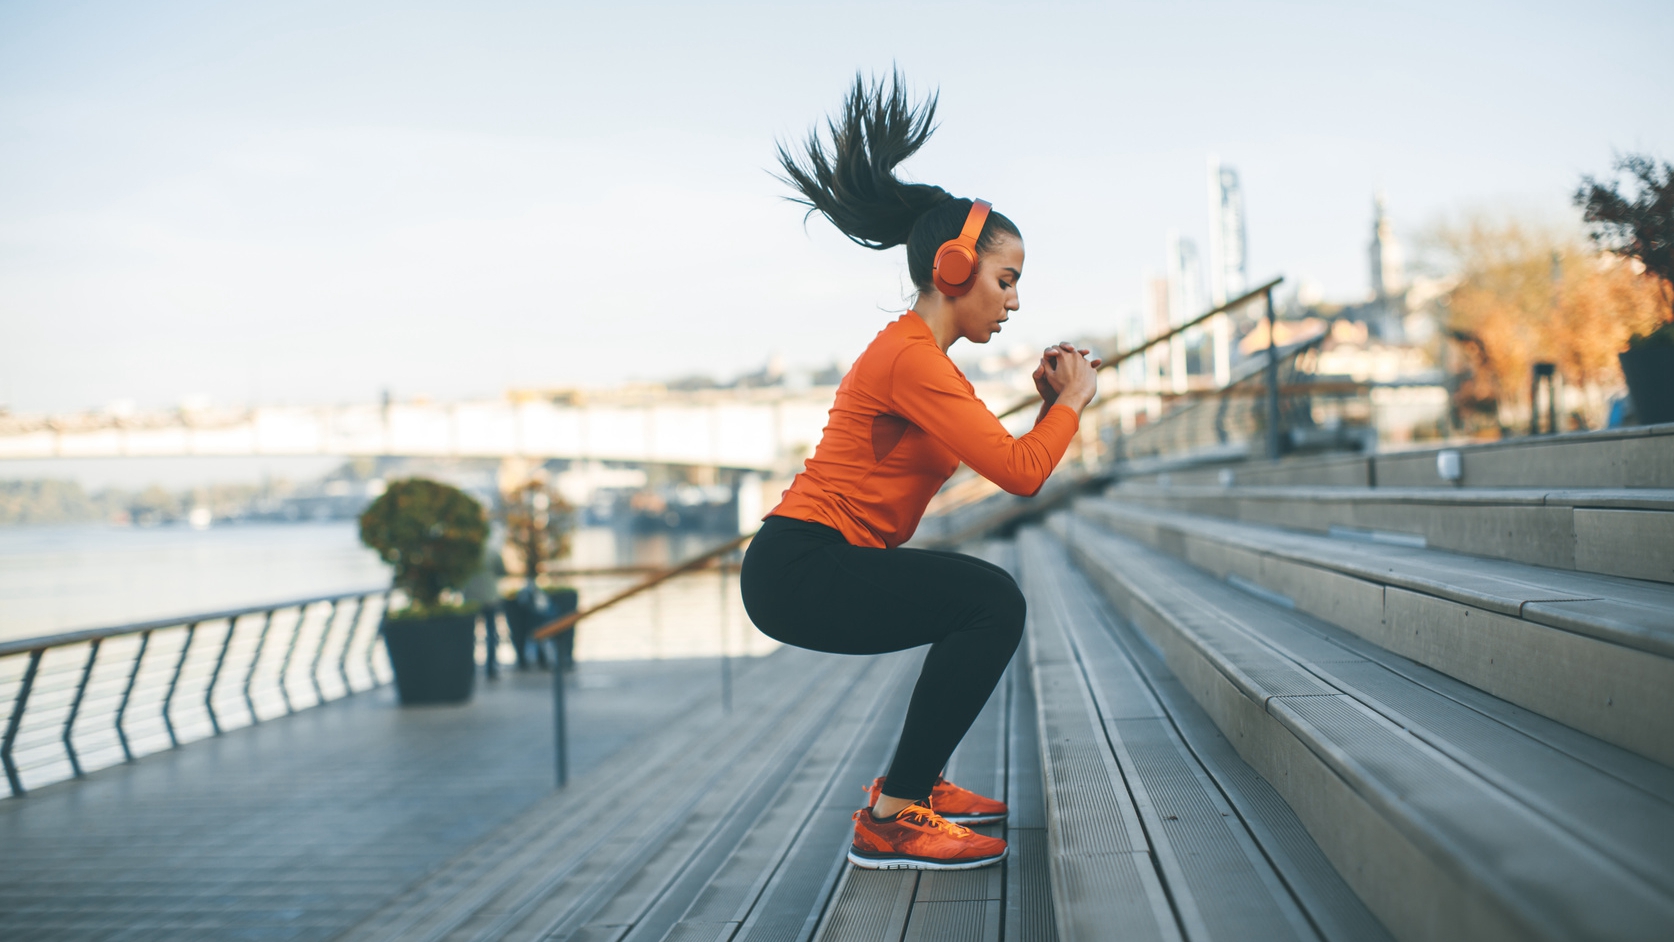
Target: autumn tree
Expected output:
[1527,293]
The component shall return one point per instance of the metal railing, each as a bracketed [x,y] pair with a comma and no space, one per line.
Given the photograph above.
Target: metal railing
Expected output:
[1272,404]
[1240,414]
[1112,362]
[716,556]
[84,700]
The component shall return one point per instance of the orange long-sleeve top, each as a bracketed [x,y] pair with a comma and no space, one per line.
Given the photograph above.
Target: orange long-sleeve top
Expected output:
[904,418]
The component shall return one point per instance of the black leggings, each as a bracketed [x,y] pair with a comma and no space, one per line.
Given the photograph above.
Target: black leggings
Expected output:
[806,586]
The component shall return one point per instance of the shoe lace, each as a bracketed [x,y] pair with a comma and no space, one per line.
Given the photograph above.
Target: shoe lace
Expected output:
[919,814]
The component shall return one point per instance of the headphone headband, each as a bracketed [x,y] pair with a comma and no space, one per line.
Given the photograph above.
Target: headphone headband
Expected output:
[954,271]
[975,221]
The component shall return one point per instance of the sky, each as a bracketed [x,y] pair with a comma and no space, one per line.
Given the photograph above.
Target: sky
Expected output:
[313,202]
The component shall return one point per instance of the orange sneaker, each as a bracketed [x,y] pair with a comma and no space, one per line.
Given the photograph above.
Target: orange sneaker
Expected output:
[959,805]
[920,839]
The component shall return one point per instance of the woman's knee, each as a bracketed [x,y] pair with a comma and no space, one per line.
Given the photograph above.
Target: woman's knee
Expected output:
[1004,607]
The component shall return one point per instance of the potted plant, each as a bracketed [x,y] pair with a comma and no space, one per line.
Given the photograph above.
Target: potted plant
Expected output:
[433,536]
[1641,229]
[538,523]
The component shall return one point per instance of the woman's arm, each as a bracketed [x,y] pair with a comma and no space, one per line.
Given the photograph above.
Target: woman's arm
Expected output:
[1046,374]
[928,391]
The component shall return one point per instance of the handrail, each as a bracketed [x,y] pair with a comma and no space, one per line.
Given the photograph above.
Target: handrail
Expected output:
[43,642]
[1164,337]
[71,702]
[559,626]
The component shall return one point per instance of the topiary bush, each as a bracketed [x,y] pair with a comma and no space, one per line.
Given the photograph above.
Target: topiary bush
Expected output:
[432,534]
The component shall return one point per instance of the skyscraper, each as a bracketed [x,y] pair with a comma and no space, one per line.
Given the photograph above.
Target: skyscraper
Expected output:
[1185,301]
[1185,280]
[1227,258]
[1228,272]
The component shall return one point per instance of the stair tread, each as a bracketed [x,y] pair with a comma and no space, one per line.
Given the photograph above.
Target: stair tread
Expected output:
[1619,498]
[1220,875]
[1629,612]
[1450,794]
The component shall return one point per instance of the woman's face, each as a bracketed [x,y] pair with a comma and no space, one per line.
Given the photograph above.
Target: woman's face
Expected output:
[980,312]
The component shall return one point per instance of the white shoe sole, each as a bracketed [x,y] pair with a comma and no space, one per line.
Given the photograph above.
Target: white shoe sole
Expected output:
[975,819]
[914,863]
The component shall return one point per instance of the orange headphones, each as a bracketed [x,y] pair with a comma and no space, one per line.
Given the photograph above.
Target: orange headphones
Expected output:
[954,271]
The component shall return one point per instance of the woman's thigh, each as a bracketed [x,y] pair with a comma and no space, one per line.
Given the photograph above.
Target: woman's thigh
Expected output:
[858,600]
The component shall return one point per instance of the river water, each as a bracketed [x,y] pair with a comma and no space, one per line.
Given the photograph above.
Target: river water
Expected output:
[62,578]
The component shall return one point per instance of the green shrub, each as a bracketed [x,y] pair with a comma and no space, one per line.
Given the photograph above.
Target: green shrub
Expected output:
[431,533]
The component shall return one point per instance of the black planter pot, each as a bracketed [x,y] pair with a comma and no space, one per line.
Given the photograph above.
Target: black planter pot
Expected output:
[1649,372]
[434,658]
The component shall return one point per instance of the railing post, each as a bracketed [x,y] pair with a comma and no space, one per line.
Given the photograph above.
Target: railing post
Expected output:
[128,691]
[255,662]
[174,681]
[349,643]
[726,661]
[290,654]
[319,652]
[75,707]
[561,739]
[12,777]
[372,649]
[1273,441]
[215,675]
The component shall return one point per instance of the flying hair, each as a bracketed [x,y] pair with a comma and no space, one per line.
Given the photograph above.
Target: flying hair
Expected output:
[853,183]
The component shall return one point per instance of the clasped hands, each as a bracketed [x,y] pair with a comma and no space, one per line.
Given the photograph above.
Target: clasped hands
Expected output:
[1066,375]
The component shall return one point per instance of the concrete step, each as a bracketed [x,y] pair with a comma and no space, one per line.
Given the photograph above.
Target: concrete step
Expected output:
[1137,775]
[1626,532]
[1451,815]
[1593,652]
[1642,456]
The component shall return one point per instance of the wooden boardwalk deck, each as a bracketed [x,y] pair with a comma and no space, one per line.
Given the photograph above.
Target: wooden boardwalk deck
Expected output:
[360,820]
[300,827]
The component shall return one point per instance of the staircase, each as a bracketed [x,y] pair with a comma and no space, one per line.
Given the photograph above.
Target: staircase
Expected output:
[1461,693]
[1325,699]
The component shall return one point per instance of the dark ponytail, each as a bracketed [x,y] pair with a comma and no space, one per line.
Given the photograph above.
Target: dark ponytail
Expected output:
[855,186]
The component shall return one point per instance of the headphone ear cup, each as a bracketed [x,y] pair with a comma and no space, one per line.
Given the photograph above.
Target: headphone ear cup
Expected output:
[954,268]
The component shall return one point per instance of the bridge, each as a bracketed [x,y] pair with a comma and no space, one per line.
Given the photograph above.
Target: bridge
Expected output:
[768,430]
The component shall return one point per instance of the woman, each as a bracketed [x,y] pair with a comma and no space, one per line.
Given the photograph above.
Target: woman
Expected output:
[826,571]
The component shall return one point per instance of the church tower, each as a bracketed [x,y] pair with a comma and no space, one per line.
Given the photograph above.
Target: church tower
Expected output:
[1388,279]
[1389,300]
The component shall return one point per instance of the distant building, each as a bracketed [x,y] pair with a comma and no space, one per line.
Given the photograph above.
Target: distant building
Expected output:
[1388,308]
[1185,280]
[1388,278]
[1185,301]
[1228,256]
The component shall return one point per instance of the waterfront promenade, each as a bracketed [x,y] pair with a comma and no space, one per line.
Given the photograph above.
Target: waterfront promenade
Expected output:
[301,826]
[1408,696]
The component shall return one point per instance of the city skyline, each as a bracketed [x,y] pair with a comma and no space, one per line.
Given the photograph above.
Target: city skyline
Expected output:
[313,204]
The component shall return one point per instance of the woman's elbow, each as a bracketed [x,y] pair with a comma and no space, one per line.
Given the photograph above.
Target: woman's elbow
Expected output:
[1022,485]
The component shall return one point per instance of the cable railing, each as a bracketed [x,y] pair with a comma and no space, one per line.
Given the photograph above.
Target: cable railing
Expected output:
[85,700]
[1238,417]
